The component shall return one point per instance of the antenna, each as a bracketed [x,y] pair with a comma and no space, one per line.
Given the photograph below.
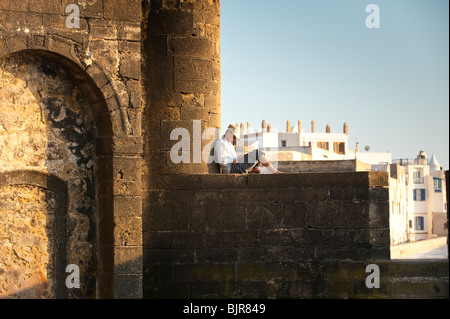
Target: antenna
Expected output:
[367,148]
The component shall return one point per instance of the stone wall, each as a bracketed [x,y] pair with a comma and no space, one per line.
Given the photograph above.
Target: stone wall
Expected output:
[72,109]
[46,126]
[308,166]
[399,279]
[33,216]
[308,235]
[259,236]
[181,82]
[25,272]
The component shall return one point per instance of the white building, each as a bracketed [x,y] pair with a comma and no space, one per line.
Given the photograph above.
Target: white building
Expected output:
[426,196]
[296,144]
[398,205]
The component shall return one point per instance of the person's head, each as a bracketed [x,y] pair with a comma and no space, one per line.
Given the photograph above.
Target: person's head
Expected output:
[231,133]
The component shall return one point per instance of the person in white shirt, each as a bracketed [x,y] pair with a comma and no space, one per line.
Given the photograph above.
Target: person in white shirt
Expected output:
[232,163]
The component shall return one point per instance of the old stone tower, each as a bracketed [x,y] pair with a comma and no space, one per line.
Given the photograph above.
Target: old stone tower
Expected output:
[81,107]
[89,190]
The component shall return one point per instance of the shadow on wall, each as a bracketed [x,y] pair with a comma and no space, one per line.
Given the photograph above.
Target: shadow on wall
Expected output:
[48,186]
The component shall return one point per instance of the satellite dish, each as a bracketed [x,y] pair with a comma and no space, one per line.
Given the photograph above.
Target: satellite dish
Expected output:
[367,148]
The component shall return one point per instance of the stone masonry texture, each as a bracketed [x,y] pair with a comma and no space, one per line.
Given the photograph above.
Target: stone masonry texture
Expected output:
[258,236]
[86,176]
[181,77]
[71,109]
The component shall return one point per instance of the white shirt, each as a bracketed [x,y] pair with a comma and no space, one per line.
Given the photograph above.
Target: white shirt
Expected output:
[225,154]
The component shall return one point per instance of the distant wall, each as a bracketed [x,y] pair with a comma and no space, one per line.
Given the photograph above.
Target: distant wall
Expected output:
[259,236]
[323,166]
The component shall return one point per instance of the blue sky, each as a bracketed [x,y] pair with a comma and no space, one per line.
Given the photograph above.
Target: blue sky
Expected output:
[316,60]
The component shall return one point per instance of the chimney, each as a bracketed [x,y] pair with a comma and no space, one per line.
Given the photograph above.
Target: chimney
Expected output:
[299,126]
[263,125]
[328,128]
[357,146]
[345,129]
[313,126]
[242,129]
[268,127]
[248,127]
[288,127]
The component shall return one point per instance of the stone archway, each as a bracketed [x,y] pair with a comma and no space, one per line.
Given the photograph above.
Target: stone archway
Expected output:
[52,118]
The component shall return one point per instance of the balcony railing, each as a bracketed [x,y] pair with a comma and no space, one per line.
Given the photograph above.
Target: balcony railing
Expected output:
[410,161]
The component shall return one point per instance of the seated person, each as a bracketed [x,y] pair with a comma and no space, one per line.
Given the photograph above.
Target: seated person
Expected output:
[231,163]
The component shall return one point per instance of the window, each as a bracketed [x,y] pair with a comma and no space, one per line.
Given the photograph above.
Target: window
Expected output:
[283,143]
[418,179]
[322,145]
[410,223]
[339,147]
[420,223]
[437,185]
[419,195]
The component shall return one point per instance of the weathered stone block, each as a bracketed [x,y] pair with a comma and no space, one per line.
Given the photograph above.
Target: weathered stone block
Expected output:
[16,43]
[379,179]
[170,22]
[15,5]
[172,217]
[126,206]
[203,273]
[131,145]
[339,193]
[193,69]
[333,215]
[175,240]
[48,6]
[129,30]
[230,217]
[128,286]
[293,214]
[192,47]
[379,194]
[126,188]
[128,10]
[379,214]
[101,29]
[223,182]
[167,256]
[130,66]
[128,260]
[197,86]
[128,231]
[283,238]
[188,113]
